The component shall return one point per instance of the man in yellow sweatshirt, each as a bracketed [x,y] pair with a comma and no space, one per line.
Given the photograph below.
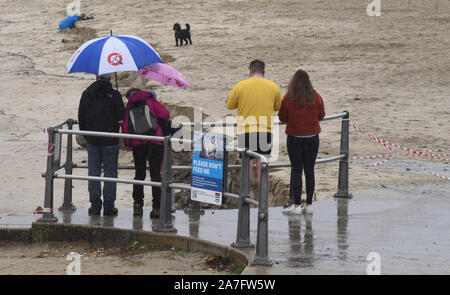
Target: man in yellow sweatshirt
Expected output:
[256,100]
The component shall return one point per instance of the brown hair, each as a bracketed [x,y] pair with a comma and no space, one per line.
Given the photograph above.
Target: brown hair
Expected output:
[301,90]
[257,66]
[131,91]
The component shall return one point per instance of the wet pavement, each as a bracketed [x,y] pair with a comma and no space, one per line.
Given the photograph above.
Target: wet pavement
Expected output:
[407,226]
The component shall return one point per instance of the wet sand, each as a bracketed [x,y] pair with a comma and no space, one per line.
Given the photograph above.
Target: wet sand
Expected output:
[390,73]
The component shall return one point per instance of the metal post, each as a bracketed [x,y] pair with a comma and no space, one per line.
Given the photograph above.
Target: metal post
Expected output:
[165,218]
[67,204]
[225,170]
[48,215]
[262,239]
[343,163]
[225,165]
[194,206]
[243,226]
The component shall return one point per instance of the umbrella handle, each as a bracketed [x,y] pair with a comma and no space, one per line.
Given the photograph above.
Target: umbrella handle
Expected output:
[117,84]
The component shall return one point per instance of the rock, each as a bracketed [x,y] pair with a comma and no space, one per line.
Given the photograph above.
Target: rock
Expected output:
[81,140]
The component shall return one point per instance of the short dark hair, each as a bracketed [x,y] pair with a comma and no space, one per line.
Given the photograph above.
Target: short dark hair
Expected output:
[105,77]
[257,66]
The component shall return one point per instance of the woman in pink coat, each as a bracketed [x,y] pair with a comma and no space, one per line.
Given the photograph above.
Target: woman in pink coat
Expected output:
[144,150]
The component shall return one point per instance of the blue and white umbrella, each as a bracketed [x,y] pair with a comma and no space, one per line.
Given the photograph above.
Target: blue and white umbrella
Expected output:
[113,53]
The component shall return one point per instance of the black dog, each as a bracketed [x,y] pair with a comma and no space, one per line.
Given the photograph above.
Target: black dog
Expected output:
[182,35]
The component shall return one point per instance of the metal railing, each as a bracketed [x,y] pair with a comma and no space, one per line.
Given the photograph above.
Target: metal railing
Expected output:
[167,184]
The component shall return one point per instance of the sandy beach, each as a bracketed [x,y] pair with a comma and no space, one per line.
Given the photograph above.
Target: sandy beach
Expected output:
[390,72]
[50,259]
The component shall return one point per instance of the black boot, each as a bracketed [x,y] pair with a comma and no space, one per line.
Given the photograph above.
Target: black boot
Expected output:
[138,209]
[111,212]
[94,211]
[96,208]
[154,213]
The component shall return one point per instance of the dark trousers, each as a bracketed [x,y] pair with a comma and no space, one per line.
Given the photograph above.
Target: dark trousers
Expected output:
[302,154]
[260,142]
[154,155]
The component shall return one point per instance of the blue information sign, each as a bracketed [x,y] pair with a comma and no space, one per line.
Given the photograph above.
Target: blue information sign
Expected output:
[207,168]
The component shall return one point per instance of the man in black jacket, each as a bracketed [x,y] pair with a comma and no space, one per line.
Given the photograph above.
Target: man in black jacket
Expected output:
[101,109]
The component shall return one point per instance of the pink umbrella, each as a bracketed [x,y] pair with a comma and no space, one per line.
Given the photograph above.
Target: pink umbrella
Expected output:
[164,74]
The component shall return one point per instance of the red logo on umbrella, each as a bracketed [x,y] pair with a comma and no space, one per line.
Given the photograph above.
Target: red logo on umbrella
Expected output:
[115,59]
[75,55]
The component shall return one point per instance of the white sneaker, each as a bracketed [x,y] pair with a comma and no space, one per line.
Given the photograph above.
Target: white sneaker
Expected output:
[288,209]
[292,210]
[307,209]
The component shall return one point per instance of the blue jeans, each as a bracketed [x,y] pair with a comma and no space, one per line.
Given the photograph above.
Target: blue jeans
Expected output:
[105,157]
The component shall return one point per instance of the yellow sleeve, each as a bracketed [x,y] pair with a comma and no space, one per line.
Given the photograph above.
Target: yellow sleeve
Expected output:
[277,104]
[232,102]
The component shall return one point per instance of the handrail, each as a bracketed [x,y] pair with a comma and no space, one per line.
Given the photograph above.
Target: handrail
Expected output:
[62,123]
[264,160]
[107,179]
[318,161]
[219,124]
[183,186]
[233,166]
[119,135]
[167,185]
[335,116]
[215,124]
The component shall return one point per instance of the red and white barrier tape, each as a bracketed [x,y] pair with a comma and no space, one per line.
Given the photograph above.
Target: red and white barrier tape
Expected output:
[435,151]
[373,157]
[411,152]
[434,156]
[388,158]
[432,172]
[373,137]
[377,164]
[390,145]
[50,149]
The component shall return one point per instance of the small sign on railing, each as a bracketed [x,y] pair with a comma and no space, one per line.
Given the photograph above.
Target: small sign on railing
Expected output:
[208,168]
[54,145]
[56,150]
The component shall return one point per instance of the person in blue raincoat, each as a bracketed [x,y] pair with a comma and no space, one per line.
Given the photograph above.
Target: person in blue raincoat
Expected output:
[69,22]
